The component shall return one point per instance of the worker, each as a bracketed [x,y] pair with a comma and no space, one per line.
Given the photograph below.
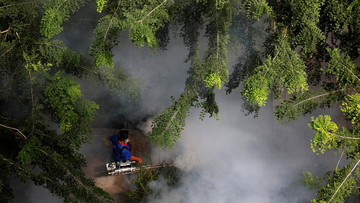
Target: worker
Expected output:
[122,147]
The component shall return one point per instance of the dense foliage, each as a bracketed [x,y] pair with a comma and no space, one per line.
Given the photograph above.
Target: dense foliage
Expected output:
[315,44]
[144,183]
[308,55]
[44,118]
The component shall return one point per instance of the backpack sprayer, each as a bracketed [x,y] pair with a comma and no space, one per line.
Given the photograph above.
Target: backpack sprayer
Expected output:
[129,167]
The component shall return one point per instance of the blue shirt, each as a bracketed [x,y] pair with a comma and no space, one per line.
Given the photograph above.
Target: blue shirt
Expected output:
[121,152]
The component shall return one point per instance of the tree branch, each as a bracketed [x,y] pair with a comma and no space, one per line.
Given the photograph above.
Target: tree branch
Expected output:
[23,169]
[311,98]
[17,98]
[112,18]
[67,170]
[169,123]
[342,154]
[292,65]
[16,4]
[350,71]
[7,51]
[6,32]
[45,153]
[5,126]
[32,91]
[348,175]
[140,21]
[77,180]
[10,79]
[262,79]
[349,138]
[15,165]
[60,5]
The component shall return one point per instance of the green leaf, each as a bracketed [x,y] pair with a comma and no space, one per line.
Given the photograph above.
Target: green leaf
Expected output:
[324,138]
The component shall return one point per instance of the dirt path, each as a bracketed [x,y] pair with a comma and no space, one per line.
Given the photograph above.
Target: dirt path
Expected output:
[99,152]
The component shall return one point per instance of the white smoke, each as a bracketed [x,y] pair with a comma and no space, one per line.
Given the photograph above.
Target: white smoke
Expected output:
[242,159]
[236,159]
[145,126]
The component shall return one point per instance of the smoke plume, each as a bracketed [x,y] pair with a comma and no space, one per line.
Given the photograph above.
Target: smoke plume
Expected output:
[244,159]
[235,159]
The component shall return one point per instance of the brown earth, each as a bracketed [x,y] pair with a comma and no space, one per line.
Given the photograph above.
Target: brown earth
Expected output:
[99,152]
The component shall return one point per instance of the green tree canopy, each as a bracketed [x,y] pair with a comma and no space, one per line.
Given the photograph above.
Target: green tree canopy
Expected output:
[38,88]
[309,52]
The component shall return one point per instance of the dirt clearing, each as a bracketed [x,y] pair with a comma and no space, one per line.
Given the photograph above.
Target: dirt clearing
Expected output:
[99,152]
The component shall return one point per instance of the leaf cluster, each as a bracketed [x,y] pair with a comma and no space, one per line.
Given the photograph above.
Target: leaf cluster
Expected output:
[333,182]
[282,72]
[167,127]
[143,19]
[341,183]
[204,74]
[142,184]
[56,13]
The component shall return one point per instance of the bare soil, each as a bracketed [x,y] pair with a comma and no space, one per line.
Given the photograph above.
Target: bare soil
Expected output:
[99,152]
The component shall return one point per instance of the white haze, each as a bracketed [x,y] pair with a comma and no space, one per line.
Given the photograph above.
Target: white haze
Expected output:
[236,159]
[242,159]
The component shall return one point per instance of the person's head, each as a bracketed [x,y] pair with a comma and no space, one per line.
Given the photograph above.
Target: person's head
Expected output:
[124,136]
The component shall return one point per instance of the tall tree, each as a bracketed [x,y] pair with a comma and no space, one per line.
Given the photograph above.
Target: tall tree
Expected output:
[37,89]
